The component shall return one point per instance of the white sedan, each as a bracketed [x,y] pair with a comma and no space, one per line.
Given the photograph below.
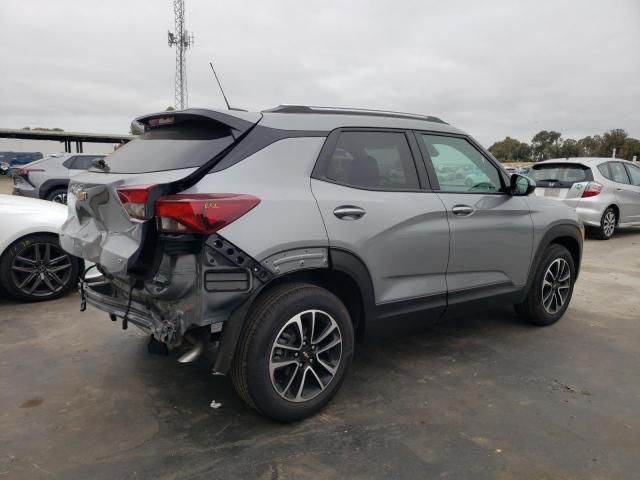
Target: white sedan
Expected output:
[33,266]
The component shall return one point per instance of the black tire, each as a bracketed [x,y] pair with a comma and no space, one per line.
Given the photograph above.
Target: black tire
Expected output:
[533,309]
[57,195]
[265,323]
[606,230]
[66,268]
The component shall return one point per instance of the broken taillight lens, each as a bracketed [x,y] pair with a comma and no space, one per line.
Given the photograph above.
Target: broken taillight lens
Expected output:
[201,212]
[136,200]
[592,189]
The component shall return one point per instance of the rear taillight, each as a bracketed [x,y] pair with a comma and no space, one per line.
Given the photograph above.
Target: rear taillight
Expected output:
[201,213]
[24,172]
[592,189]
[136,200]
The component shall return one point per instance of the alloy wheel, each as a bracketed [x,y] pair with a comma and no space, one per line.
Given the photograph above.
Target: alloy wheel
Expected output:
[609,223]
[556,285]
[60,198]
[305,355]
[41,269]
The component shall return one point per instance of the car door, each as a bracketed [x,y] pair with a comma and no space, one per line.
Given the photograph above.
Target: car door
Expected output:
[634,190]
[626,193]
[491,231]
[375,204]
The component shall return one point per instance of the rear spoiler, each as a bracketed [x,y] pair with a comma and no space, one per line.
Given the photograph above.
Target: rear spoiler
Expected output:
[238,121]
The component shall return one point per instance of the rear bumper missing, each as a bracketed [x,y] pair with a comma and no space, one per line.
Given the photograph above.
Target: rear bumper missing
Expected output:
[100,294]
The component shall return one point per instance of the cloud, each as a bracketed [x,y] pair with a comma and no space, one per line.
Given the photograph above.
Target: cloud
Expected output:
[492,68]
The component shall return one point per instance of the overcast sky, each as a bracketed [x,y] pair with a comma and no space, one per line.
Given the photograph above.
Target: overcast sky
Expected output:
[493,68]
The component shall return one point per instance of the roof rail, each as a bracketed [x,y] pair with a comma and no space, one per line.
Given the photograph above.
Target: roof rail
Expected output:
[351,111]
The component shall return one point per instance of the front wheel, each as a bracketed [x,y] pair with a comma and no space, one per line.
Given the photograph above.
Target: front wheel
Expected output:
[552,287]
[35,268]
[294,351]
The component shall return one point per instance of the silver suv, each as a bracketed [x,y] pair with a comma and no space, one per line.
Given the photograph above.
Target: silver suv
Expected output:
[286,235]
[605,192]
[48,178]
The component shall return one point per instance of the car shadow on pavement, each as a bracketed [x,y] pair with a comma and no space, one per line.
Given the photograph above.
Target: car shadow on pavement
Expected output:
[180,390]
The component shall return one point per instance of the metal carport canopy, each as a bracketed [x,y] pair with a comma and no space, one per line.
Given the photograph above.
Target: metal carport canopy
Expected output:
[66,137]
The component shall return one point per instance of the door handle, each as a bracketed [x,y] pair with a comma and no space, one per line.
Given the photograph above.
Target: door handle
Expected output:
[462,210]
[349,212]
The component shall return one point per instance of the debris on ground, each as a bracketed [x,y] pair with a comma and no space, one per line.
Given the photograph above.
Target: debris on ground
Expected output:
[215,405]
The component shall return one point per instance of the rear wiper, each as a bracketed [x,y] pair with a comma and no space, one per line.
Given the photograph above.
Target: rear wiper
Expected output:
[101,164]
[549,180]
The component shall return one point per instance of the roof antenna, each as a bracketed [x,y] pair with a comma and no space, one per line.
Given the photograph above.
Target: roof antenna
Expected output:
[218,80]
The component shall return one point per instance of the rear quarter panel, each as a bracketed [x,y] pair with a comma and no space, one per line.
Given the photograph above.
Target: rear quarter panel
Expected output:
[287,216]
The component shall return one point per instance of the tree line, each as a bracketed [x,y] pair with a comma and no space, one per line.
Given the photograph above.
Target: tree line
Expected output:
[550,144]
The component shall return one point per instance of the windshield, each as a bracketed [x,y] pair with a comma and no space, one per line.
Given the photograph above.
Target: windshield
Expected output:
[562,175]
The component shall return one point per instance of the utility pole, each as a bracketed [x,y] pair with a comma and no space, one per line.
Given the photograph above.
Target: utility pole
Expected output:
[182,40]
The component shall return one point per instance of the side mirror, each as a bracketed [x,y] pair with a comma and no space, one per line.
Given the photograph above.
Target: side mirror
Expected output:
[521,186]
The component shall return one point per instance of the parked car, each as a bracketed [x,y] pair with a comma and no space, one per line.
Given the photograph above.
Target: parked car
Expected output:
[48,178]
[5,168]
[33,266]
[605,192]
[281,235]
[17,159]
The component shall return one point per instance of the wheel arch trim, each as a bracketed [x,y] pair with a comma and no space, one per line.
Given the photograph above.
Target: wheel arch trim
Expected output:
[560,234]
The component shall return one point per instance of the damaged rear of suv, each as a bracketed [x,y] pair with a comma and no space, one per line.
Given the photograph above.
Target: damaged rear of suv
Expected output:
[286,235]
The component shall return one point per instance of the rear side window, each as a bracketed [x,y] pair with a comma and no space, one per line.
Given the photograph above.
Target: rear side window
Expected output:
[81,163]
[376,160]
[604,170]
[184,145]
[560,175]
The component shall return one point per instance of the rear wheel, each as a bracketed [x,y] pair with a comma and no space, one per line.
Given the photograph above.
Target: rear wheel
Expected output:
[58,195]
[294,352]
[608,224]
[551,289]
[35,268]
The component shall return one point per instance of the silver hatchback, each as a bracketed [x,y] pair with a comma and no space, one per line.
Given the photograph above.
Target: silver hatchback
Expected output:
[605,192]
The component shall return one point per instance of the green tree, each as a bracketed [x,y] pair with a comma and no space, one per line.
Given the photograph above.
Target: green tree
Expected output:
[570,148]
[510,149]
[546,144]
[169,109]
[630,148]
[590,146]
[612,139]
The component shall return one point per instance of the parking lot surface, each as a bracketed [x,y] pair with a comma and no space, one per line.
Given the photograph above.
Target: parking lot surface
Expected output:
[486,396]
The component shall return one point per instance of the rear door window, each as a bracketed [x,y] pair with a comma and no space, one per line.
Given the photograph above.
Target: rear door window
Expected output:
[373,160]
[634,174]
[618,173]
[560,175]
[184,145]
